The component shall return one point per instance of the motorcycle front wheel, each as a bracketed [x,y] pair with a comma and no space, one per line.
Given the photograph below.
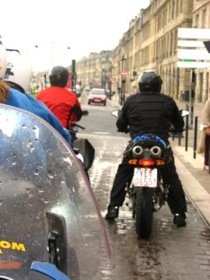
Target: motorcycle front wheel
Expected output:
[144,211]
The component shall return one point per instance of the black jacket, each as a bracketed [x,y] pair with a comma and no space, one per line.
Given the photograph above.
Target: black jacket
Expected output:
[150,112]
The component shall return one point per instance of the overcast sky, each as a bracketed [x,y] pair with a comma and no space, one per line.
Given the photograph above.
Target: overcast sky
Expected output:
[73,28]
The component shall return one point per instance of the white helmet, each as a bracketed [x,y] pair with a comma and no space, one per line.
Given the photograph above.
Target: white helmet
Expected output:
[3,59]
[19,70]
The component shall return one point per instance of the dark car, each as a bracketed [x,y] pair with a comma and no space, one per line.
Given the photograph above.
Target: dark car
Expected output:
[97,96]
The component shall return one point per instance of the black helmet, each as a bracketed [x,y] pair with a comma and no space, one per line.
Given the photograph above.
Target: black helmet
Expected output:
[150,81]
[59,76]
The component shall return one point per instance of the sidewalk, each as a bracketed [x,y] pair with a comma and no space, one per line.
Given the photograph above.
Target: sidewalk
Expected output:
[194,179]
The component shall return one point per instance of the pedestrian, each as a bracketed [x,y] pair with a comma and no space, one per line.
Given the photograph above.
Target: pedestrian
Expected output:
[149,111]
[134,87]
[60,100]
[204,144]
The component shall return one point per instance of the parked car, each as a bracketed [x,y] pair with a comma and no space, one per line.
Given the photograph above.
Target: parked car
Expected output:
[97,96]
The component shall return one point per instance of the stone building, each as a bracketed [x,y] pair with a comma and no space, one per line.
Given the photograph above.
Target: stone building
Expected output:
[151,43]
[95,70]
[154,43]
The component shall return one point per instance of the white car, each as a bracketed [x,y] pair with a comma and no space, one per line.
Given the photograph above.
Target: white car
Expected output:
[97,96]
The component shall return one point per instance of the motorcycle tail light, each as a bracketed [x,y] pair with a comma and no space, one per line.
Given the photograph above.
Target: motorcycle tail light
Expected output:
[133,162]
[142,162]
[160,162]
[146,162]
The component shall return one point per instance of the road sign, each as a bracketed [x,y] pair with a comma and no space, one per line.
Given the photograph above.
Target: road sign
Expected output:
[207,45]
[112,79]
[192,64]
[191,52]
[194,33]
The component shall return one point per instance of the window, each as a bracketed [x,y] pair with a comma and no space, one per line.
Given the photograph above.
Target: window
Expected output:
[204,18]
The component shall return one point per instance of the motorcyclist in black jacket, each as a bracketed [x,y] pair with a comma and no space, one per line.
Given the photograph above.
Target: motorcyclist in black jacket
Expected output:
[149,112]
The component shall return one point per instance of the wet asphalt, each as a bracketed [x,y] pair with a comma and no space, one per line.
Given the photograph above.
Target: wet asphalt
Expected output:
[170,253]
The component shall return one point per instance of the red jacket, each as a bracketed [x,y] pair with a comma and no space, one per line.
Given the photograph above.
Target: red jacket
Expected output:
[63,103]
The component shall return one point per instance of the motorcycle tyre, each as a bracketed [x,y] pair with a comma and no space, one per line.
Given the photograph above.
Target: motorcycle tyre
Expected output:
[144,211]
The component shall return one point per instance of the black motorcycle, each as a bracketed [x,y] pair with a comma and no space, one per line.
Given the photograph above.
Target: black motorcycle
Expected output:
[147,153]
[147,193]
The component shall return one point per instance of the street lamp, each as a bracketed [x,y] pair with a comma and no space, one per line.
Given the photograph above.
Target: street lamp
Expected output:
[123,80]
[111,80]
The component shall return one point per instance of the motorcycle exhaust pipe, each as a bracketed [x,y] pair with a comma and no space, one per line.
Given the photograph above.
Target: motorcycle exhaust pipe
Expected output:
[156,151]
[137,151]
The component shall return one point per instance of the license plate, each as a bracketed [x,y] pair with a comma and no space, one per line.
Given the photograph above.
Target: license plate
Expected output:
[145,177]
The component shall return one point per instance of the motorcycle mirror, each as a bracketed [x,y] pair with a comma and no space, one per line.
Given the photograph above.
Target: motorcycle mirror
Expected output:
[184,113]
[116,113]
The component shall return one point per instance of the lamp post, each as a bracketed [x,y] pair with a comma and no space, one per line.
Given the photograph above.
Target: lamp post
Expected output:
[74,75]
[123,80]
[111,80]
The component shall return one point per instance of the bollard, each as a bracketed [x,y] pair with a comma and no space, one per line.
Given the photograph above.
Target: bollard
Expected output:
[179,138]
[186,132]
[195,137]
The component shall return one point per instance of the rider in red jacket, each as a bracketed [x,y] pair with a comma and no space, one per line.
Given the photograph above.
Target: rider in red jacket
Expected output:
[62,102]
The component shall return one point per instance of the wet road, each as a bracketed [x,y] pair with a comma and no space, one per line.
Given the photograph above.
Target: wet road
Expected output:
[171,253]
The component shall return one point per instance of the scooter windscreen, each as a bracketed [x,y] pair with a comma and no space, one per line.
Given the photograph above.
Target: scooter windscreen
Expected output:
[48,212]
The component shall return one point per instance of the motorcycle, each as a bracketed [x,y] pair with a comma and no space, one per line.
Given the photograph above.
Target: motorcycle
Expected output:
[50,221]
[147,193]
[81,146]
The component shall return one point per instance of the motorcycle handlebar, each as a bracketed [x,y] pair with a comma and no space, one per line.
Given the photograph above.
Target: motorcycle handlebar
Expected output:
[85,112]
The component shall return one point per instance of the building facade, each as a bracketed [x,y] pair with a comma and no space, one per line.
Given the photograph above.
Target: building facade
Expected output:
[201,19]
[95,70]
[151,43]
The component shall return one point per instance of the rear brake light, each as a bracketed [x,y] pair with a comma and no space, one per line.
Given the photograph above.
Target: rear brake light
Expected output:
[146,162]
[142,162]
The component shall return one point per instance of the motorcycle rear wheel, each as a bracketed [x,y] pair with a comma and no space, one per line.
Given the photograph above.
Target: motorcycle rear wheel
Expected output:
[144,211]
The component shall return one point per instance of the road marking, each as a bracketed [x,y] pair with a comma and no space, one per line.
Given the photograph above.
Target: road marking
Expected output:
[101,132]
